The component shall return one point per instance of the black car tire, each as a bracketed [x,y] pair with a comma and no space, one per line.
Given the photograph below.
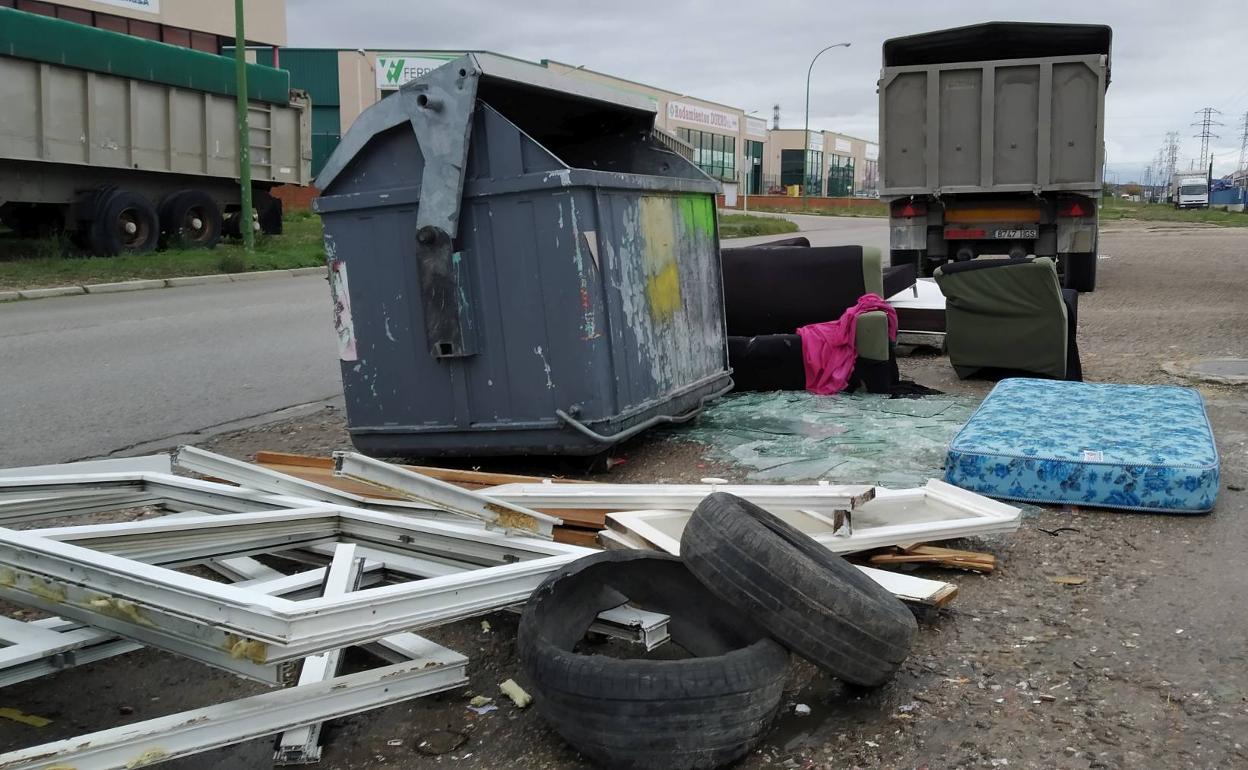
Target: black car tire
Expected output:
[812,601]
[700,712]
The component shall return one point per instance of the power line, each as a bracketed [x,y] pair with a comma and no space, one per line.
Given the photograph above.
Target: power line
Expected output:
[1206,124]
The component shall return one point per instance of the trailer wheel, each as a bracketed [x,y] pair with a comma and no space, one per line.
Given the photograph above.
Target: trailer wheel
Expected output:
[1079,271]
[190,219]
[123,222]
[269,212]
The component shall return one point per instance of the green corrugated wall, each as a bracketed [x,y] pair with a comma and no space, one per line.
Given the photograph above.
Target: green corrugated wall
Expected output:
[45,39]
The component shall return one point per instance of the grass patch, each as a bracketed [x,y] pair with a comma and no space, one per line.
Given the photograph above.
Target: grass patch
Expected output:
[1117,208]
[37,263]
[746,226]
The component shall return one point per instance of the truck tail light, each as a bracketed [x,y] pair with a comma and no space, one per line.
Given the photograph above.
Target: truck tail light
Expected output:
[1076,208]
[910,208]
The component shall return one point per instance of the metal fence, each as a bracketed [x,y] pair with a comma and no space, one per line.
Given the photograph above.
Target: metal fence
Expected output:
[771,184]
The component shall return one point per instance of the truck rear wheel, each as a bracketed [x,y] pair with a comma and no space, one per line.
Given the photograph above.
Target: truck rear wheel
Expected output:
[190,219]
[1079,271]
[123,222]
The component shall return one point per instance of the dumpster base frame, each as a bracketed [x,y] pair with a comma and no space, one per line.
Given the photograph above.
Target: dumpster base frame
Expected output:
[553,438]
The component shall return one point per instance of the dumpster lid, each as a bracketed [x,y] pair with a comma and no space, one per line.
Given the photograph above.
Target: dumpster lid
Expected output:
[502,71]
[523,88]
[998,40]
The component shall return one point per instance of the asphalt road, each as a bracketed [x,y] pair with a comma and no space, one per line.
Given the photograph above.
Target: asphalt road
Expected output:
[88,376]
[91,375]
[828,231]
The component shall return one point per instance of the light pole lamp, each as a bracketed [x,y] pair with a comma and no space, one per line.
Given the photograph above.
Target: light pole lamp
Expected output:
[806,131]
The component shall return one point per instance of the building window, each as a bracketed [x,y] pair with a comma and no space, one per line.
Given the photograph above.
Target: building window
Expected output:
[35,6]
[840,176]
[791,168]
[715,154]
[112,23]
[754,166]
[176,36]
[814,171]
[871,176]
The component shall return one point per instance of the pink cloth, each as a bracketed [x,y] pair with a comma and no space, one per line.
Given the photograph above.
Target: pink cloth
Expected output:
[829,349]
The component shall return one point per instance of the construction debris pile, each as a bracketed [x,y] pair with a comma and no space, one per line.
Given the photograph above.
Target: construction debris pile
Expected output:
[272,575]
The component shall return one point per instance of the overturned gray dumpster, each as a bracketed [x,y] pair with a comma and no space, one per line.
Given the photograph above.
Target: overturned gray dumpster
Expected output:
[518,264]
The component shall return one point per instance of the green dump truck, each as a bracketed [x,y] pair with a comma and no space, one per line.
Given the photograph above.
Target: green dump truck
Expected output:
[992,142]
[126,143]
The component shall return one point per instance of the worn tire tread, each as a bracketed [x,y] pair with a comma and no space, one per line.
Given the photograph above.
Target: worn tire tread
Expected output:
[813,602]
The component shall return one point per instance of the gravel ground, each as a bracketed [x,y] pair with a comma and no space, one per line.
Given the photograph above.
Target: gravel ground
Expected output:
[1142,665]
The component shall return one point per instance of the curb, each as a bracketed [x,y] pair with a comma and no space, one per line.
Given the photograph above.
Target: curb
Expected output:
[260,275]
[158,283]
[56,291]
[196,280]
[116,288]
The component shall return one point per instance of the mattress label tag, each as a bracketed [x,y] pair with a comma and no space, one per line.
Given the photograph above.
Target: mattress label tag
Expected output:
[1093,456]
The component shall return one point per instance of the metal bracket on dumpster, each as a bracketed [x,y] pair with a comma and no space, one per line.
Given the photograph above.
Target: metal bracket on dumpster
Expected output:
[439,107]
[445,293]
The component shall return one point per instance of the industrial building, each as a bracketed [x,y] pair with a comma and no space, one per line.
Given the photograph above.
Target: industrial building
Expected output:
[205,25]
[729,143]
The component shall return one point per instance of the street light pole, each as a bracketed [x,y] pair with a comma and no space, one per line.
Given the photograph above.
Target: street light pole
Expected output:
[244,131]
[748,165]
[806,132]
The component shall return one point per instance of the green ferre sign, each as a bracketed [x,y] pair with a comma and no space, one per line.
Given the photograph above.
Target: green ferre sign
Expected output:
[395,71]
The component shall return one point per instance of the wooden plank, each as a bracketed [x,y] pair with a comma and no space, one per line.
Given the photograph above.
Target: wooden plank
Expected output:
[320,470]
[327,478]
[470,479]
[937,556]
[587,538]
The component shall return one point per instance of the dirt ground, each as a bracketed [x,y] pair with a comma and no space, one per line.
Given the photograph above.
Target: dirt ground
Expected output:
[1143,665]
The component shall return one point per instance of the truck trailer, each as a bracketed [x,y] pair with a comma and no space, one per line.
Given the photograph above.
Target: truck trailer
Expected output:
[992,142]
[127,143]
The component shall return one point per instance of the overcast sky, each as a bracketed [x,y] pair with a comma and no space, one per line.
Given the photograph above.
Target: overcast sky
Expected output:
[1169,58]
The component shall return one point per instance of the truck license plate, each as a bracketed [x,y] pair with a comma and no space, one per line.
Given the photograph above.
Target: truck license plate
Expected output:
[1016,235]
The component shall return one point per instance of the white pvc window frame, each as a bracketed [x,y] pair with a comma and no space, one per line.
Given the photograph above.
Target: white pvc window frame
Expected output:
[46,569]
[978,515]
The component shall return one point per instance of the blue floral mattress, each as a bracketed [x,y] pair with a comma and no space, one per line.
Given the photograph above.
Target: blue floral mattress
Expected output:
[1138,447]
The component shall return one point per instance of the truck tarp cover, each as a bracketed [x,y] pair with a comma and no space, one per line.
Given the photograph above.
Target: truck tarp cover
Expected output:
[997,40]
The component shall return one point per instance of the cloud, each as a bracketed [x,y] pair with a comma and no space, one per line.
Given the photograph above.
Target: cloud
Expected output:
[1168,60]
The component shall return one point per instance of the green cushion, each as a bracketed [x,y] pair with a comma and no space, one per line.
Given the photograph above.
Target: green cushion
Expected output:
[871,337]
[873,271]
[1006,317]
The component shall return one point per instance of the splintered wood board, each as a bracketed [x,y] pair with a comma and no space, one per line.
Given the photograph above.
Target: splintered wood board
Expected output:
[937,556]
